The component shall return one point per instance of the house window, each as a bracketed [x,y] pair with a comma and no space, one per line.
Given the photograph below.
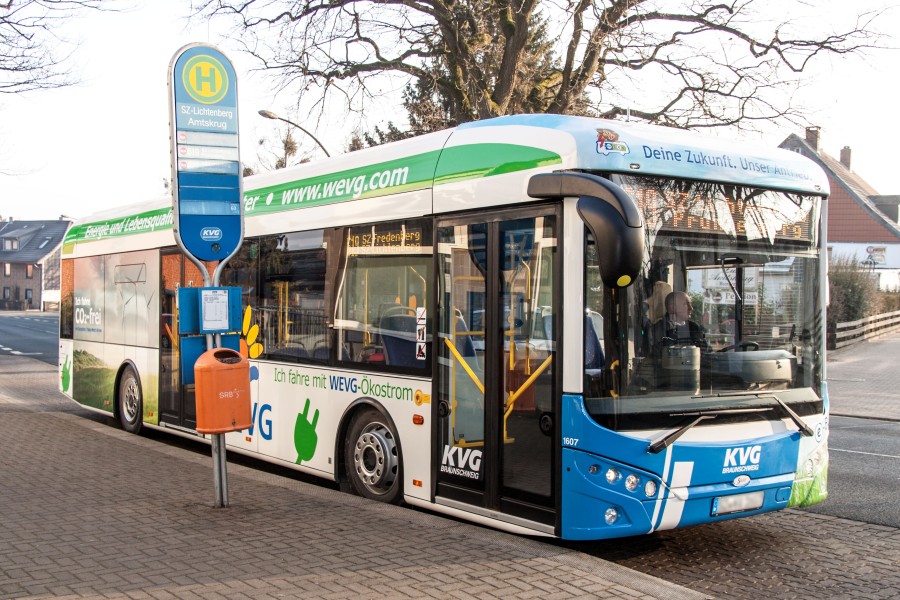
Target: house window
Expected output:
[10,244]
[29,271]
[29,295]
[6,293]
[7,269]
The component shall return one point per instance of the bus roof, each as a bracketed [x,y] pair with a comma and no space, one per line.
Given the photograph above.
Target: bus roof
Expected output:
[484,149]
[642,149]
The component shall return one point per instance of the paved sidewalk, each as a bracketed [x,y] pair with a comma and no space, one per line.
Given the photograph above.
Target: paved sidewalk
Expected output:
[864,380]
[88,511]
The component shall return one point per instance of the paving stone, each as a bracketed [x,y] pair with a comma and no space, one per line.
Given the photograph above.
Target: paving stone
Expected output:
[90,511]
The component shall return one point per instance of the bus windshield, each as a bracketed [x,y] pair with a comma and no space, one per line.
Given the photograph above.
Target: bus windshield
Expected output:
[723,315]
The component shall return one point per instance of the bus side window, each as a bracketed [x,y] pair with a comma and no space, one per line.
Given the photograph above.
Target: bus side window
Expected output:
[289,270]
[381,315]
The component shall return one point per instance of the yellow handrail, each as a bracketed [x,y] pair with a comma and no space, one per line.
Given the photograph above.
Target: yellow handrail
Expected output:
[513,396]
[464,364]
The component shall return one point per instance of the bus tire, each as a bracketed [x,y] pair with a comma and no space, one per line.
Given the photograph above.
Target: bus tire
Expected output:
[372,457]
[131,401]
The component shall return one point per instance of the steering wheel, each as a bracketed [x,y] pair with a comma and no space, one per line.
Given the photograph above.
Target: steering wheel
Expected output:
[742,345]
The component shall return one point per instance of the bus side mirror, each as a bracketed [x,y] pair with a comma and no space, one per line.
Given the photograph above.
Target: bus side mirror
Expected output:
[610,214]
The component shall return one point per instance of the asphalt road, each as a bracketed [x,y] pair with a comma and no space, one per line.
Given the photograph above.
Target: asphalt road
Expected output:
[32,334]
[863,477]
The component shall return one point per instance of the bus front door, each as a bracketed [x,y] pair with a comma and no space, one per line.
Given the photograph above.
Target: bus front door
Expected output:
[497,383]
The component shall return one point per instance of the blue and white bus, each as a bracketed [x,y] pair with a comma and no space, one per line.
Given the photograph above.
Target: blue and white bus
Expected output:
[479,321]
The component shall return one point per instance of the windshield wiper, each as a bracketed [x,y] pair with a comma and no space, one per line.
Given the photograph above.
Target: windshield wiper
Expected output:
[668,438]
[801,426]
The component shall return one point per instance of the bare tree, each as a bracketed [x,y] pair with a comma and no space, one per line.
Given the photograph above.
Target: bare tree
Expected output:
[695,63]
[31,51]
[278,152]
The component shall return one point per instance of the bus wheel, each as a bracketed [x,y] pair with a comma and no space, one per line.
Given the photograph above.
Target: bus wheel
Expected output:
[373,458]
[130,401]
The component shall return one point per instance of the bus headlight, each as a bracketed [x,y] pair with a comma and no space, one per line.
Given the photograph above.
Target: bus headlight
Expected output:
[650,488]
[611,516]
[632,482]
[612,476]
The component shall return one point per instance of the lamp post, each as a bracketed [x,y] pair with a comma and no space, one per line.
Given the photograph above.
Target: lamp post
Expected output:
[270,115]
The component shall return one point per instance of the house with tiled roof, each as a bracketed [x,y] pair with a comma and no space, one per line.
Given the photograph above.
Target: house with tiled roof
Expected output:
[862,223]
[30,263]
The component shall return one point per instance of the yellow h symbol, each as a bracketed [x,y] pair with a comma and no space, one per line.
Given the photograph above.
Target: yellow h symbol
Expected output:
[210,79]
[205,79]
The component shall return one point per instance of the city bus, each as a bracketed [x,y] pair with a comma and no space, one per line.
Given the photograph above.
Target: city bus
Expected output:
[468,321]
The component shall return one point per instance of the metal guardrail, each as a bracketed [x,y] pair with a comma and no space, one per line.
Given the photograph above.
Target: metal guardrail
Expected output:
[852,332]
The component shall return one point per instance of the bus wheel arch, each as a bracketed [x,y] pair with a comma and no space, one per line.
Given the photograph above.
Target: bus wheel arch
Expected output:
[369,451]
[129,398]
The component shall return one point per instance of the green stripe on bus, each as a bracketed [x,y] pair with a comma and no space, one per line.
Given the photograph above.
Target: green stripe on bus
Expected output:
[144,222]
[411,173]
[450,165]
[459,163]
[404,174]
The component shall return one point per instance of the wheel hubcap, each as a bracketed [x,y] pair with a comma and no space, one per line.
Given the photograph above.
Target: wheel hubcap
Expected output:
[375,458]
[130,400]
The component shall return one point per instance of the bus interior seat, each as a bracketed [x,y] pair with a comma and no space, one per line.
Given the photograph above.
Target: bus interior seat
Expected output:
[593,353]
[398,338]
[389,309]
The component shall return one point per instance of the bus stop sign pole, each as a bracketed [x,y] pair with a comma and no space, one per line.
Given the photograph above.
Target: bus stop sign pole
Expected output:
[206,180]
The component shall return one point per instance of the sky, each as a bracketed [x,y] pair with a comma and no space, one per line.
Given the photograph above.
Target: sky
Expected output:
[104,143]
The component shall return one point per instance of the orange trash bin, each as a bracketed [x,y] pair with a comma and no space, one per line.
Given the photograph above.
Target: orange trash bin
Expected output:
[222,380]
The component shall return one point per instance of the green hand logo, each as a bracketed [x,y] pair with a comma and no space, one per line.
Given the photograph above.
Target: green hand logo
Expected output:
[305,436]
[66,375]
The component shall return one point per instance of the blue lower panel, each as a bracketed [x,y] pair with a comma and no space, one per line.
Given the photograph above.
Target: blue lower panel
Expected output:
[696,475]
[588,495]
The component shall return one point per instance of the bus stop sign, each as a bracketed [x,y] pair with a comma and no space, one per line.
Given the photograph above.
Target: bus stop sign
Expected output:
[206,168]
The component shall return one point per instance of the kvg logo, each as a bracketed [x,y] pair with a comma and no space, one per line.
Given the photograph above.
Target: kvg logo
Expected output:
[742,459]
[210,234]
[464,462]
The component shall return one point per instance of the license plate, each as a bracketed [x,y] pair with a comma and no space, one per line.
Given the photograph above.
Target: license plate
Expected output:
[725,505]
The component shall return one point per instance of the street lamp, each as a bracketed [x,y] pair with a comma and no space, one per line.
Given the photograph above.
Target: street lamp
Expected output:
[270,115]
